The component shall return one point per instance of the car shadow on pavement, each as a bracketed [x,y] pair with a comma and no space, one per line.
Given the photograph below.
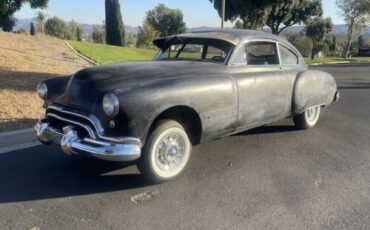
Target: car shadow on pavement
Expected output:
[45,173]
[269,129]
[358,86]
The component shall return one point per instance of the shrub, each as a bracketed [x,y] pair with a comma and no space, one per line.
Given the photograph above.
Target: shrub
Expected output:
[304,45]
[58,28]
[98,34]
[146,35]
[32,29]
[22,31]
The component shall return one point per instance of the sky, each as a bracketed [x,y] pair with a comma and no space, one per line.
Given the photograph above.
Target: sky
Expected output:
[196,12]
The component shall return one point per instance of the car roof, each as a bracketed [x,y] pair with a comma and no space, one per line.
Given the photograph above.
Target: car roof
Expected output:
[234,36]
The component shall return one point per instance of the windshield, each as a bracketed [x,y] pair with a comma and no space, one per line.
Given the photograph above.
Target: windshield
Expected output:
[212,50]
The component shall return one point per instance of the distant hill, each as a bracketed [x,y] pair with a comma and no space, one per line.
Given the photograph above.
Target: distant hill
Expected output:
[88,28]
[337,29]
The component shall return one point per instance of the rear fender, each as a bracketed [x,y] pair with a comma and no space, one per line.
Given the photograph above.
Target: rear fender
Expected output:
[313,88]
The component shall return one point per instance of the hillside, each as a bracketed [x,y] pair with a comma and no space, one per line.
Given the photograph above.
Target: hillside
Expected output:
[24,61]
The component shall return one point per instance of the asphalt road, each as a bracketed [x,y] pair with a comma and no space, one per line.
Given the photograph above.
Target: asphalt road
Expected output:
[273,177]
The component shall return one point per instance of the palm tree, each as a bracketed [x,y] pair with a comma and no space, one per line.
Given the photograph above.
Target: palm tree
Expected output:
[41,18]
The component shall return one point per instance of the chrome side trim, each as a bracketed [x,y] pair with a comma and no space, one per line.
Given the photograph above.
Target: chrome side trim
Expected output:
[98,127]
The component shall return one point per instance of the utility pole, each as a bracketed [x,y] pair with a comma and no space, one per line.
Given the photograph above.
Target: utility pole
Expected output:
[223,14]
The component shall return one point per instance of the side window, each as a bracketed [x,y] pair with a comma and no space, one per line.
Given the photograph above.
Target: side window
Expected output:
[192,51]
[214,53]
[261,53]
[287,56]
[171,51]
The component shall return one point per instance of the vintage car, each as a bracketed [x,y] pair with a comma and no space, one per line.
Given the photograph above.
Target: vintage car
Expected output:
[200,86]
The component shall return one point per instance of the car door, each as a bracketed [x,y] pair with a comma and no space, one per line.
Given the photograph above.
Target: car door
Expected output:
[289,61]
[264,88]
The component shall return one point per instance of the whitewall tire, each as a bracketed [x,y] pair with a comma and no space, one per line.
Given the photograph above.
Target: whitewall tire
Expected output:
[308,119]
[166,152]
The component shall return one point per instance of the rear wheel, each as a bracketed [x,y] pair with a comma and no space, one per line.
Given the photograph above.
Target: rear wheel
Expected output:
[308,119]
[166,152]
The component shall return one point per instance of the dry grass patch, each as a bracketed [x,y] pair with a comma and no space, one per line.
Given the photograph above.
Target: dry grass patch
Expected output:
[24,61]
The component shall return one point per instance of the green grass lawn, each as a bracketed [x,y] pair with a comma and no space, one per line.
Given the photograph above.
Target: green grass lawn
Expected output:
[104,54]
[336,59]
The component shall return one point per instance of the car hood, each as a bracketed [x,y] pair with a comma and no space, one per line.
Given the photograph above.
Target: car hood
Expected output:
[88,86]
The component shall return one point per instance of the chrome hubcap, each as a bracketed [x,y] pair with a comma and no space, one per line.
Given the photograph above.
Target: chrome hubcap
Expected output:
[312,113]
[170,152]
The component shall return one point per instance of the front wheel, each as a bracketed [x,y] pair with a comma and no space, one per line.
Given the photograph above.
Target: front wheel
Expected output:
[308,119]
[166,152]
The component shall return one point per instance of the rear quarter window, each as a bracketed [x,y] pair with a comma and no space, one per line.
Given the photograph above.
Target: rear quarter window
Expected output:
[261,53]
[287,56]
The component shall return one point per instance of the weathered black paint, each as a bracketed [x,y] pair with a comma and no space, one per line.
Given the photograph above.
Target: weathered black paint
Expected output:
[227,98]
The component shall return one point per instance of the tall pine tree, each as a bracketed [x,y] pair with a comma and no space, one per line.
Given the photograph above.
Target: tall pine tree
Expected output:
[32,29]
[115,30]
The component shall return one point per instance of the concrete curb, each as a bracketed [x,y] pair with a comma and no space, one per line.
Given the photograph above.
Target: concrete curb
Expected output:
[330,63]
[339,62]
[92,62]
[17,140]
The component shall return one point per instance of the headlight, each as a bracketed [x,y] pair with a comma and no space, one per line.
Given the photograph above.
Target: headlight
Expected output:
[110,105]
[42,90]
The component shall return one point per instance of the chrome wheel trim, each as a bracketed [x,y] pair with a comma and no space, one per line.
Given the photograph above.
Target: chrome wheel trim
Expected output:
[170,152]
[312,114]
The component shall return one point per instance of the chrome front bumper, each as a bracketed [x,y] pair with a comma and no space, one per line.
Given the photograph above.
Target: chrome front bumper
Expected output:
[71,143]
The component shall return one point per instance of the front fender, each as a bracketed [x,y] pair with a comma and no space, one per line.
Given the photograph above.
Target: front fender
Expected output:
[313,88]
[212,97]
[56,87]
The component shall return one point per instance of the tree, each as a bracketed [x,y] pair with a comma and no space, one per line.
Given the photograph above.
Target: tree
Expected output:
[131,40]
[253,13]
[238,25]
[79,33]
[304,45]
[363,41]
[115,31]
[98,34]
[286,13]
[165,20]
[32,29]
[318,29]
[333,45]
[40,18]
[73,25]
[146,35]
[9,7]
[356,15]
[22,31]
[76,30]
[58,28]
